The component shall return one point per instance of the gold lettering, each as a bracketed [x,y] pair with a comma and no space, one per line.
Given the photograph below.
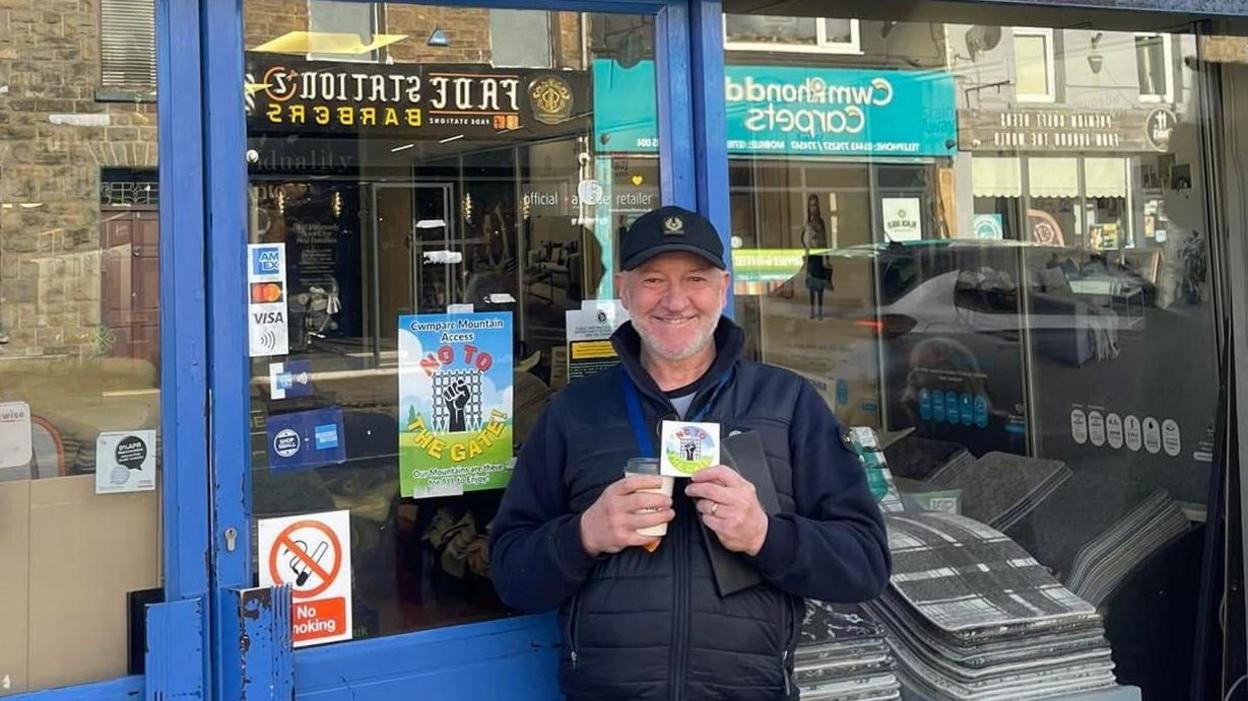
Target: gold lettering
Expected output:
[298,114]
[274,113]
[392,117]
[346,116]
[458,453]
[368,116]
[321,113]
[414,117]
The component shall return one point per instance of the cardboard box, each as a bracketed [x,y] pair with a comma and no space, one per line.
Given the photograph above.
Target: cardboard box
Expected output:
[14,585]
[78,555]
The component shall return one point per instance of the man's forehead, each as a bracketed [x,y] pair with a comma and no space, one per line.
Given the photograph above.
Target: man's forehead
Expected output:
[678,260]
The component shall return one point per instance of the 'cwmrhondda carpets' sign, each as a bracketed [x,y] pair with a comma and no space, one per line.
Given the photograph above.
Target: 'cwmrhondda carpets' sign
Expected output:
[793,110]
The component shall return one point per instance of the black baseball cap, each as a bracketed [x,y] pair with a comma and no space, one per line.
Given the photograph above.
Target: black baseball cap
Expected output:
[669,229]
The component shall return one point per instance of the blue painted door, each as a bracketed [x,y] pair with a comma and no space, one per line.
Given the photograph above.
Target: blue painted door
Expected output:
[388,168]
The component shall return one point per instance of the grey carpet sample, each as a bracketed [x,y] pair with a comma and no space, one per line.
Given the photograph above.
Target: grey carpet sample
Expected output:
[1097,528]
[842,654]
[971,616]
[999,489]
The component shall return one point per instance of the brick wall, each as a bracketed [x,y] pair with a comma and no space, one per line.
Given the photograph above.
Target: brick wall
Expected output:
[268,19]
[49,162]
[568,24]
[468,30]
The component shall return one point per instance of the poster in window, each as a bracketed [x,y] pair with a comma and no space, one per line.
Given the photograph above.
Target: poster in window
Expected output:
[902,218]
[456,404]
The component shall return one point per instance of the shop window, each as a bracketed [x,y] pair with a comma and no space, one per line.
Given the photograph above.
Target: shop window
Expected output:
[1034,65]
[341,31]
[500,187]
[791,34]
[80,365]
[1031,333]
[512,34]
[128,44]
[1154,66]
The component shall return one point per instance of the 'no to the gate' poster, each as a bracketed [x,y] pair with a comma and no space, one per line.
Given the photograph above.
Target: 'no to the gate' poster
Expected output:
[455,403]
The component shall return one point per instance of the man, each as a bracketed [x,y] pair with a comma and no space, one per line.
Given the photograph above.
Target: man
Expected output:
[652,625]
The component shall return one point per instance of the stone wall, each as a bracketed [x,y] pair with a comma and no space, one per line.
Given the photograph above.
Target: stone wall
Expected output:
[54,139]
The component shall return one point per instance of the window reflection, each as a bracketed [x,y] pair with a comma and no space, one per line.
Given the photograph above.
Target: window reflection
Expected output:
[1004,272]
[409,161]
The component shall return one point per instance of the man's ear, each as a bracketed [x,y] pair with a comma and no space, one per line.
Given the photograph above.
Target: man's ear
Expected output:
[621,288]
[727,286]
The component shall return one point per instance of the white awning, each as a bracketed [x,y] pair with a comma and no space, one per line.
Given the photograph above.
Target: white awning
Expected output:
[1053,177]
[995,176]
[1105,177]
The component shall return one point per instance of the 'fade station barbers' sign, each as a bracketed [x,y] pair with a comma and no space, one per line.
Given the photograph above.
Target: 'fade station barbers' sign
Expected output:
[410,101]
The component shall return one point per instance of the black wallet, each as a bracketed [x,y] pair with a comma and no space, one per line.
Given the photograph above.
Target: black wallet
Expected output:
[744,453]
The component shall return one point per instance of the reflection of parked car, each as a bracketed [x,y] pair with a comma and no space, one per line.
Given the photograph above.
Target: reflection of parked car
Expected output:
[1074,302]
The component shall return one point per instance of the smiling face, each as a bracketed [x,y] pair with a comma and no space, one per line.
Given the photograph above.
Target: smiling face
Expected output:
[675,301]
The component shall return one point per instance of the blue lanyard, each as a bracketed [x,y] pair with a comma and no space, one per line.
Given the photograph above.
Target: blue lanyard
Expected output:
[645,443]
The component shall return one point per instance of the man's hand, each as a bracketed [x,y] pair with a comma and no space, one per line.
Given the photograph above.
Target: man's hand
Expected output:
[728,505]
[611,524]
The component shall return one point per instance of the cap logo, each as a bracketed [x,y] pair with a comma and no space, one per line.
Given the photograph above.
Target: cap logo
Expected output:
[674,226]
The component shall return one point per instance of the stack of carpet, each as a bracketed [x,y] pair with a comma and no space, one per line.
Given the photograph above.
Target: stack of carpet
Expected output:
[972,617]
[1098,528]
[842,655]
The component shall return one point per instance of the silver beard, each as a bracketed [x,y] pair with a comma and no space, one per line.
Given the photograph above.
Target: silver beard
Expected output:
[699,344]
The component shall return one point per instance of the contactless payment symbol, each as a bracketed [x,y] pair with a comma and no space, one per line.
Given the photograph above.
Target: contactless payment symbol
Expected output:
[688,447]
[310,554]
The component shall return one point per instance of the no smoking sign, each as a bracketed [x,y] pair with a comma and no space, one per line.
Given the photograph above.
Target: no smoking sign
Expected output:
[312,554]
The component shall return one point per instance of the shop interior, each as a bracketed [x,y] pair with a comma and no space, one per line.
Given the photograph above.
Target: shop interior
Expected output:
[378,225]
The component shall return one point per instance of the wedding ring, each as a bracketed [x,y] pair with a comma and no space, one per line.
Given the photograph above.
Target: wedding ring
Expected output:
[714,507]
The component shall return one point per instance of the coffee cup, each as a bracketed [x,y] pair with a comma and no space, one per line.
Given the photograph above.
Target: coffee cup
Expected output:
[649,467]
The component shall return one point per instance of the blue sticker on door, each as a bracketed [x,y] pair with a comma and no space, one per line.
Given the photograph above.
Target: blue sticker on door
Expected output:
[306,439]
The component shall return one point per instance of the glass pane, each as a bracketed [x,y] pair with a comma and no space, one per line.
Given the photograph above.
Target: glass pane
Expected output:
[771,29]
[1016,299]
[1032,61]
[1151,64]
[79,344]
[839,31]
[463,171]
[340,30]
[512,38]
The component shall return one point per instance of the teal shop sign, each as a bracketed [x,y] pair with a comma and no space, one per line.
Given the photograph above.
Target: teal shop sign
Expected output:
[793,111]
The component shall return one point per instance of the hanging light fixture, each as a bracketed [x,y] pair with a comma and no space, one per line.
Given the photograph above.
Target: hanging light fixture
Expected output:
[437,38]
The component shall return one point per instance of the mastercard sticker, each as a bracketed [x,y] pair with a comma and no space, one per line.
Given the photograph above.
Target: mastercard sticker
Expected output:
[266,292]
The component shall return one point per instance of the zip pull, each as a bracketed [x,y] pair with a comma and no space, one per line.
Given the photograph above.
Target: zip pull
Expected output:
[574,660]
[784,669]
